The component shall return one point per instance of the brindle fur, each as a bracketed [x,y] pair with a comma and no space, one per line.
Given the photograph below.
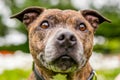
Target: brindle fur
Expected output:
[60,20]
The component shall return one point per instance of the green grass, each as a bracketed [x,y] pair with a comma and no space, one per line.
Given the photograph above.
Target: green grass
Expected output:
[15,74]
[107,74]
[18,74]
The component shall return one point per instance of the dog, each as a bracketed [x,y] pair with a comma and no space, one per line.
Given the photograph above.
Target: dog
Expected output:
[60,41]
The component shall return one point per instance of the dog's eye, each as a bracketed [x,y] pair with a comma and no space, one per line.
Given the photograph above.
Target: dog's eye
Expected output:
[82,27]
[44,25]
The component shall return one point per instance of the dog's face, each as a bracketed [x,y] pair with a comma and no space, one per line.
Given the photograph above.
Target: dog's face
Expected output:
[60,40]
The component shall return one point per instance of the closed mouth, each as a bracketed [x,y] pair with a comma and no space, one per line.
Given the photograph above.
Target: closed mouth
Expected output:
[64,62]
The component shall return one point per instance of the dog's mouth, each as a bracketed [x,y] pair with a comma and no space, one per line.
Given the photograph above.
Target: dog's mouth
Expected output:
[65,63]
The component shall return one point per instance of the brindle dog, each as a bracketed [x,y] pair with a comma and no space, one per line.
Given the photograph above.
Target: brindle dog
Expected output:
[60,41]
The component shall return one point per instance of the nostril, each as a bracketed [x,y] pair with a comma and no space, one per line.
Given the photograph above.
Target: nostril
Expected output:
[61,37]
[72,38]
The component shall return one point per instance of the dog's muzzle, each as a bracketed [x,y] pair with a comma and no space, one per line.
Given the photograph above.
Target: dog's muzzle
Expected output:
[62,53]
[65,42]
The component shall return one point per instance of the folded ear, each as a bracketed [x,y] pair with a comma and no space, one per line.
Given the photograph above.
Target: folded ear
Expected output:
[94,18]
[28,15]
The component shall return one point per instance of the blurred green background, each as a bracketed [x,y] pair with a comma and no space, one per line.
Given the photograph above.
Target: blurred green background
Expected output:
[13,35]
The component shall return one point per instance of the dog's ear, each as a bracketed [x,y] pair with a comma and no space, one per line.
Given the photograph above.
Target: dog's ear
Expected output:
[28,15]
[94,18]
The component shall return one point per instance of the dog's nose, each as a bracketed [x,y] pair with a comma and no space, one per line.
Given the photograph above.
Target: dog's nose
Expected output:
[66,39]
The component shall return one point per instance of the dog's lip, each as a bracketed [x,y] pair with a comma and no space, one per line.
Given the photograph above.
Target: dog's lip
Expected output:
[65,57]
[64,62]
[62,56]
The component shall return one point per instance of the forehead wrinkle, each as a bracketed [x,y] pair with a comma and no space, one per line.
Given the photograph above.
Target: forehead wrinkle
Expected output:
[62,16]
[54,14]
[71,13]
[73,16]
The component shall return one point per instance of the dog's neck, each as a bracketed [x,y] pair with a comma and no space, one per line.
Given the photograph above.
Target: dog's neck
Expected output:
[82,74]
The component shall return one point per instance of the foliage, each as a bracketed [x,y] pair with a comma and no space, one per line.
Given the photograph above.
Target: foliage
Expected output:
[3,28]
[111,30]
[110,46]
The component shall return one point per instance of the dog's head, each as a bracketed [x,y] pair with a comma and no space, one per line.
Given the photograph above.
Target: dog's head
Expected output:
[60,40]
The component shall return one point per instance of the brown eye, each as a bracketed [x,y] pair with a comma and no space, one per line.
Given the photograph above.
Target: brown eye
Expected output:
[82,27]
[44,25]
